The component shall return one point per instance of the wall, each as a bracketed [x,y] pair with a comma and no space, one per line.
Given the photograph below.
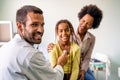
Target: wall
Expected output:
[107,36]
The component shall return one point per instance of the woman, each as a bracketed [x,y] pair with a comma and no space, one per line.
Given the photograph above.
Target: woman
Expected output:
[89,18]
[64,30]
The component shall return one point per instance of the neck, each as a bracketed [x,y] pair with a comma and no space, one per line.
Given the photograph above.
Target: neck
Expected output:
[26,40]
[64,45]
[82,35]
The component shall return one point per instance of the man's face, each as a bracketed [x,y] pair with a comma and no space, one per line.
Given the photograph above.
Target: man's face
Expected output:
[34,29]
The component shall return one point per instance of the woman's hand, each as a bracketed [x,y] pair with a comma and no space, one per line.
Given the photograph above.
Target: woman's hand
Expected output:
[81,75]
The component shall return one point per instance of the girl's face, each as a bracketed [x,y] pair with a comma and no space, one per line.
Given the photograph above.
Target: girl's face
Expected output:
[85,23]
[63,32]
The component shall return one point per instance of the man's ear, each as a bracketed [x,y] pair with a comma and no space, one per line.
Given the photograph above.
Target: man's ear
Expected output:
[19,27]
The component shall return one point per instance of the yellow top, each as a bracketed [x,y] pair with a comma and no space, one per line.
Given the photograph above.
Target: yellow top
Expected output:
[72,65]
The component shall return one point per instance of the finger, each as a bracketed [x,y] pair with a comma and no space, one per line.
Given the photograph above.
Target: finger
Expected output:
[65,51]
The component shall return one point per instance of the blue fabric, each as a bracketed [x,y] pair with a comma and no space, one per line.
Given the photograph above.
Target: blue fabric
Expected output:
[89,75]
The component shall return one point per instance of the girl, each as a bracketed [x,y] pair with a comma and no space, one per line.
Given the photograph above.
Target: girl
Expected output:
[64,30]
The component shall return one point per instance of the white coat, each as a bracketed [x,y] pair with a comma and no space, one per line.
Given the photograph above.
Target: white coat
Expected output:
[20,61]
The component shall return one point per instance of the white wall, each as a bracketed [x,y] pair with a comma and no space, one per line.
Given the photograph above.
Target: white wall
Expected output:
[107,35]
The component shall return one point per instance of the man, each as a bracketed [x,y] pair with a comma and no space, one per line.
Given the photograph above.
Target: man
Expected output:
[18,58]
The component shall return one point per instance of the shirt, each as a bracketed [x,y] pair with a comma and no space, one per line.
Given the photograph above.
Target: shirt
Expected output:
[72,65]
[86,46]
[20,61]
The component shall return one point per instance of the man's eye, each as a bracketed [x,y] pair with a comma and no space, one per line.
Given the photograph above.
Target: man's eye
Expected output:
[34,25]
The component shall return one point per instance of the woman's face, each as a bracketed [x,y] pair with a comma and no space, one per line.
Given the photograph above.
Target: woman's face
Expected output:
[85,23]
[63,32]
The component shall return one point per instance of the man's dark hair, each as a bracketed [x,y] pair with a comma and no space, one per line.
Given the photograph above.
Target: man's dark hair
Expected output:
[94,11]
[23,11]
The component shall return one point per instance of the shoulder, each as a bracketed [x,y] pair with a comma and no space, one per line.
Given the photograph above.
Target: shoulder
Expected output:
[56,45]
[75,49]
[75,46]
[91,36]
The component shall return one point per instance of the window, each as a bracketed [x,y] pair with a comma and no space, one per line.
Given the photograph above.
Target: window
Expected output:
[6,32]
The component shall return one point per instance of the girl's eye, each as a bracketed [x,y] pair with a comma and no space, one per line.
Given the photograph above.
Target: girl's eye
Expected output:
[67,30]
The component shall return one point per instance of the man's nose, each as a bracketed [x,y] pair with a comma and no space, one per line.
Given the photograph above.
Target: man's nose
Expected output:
[40,28]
